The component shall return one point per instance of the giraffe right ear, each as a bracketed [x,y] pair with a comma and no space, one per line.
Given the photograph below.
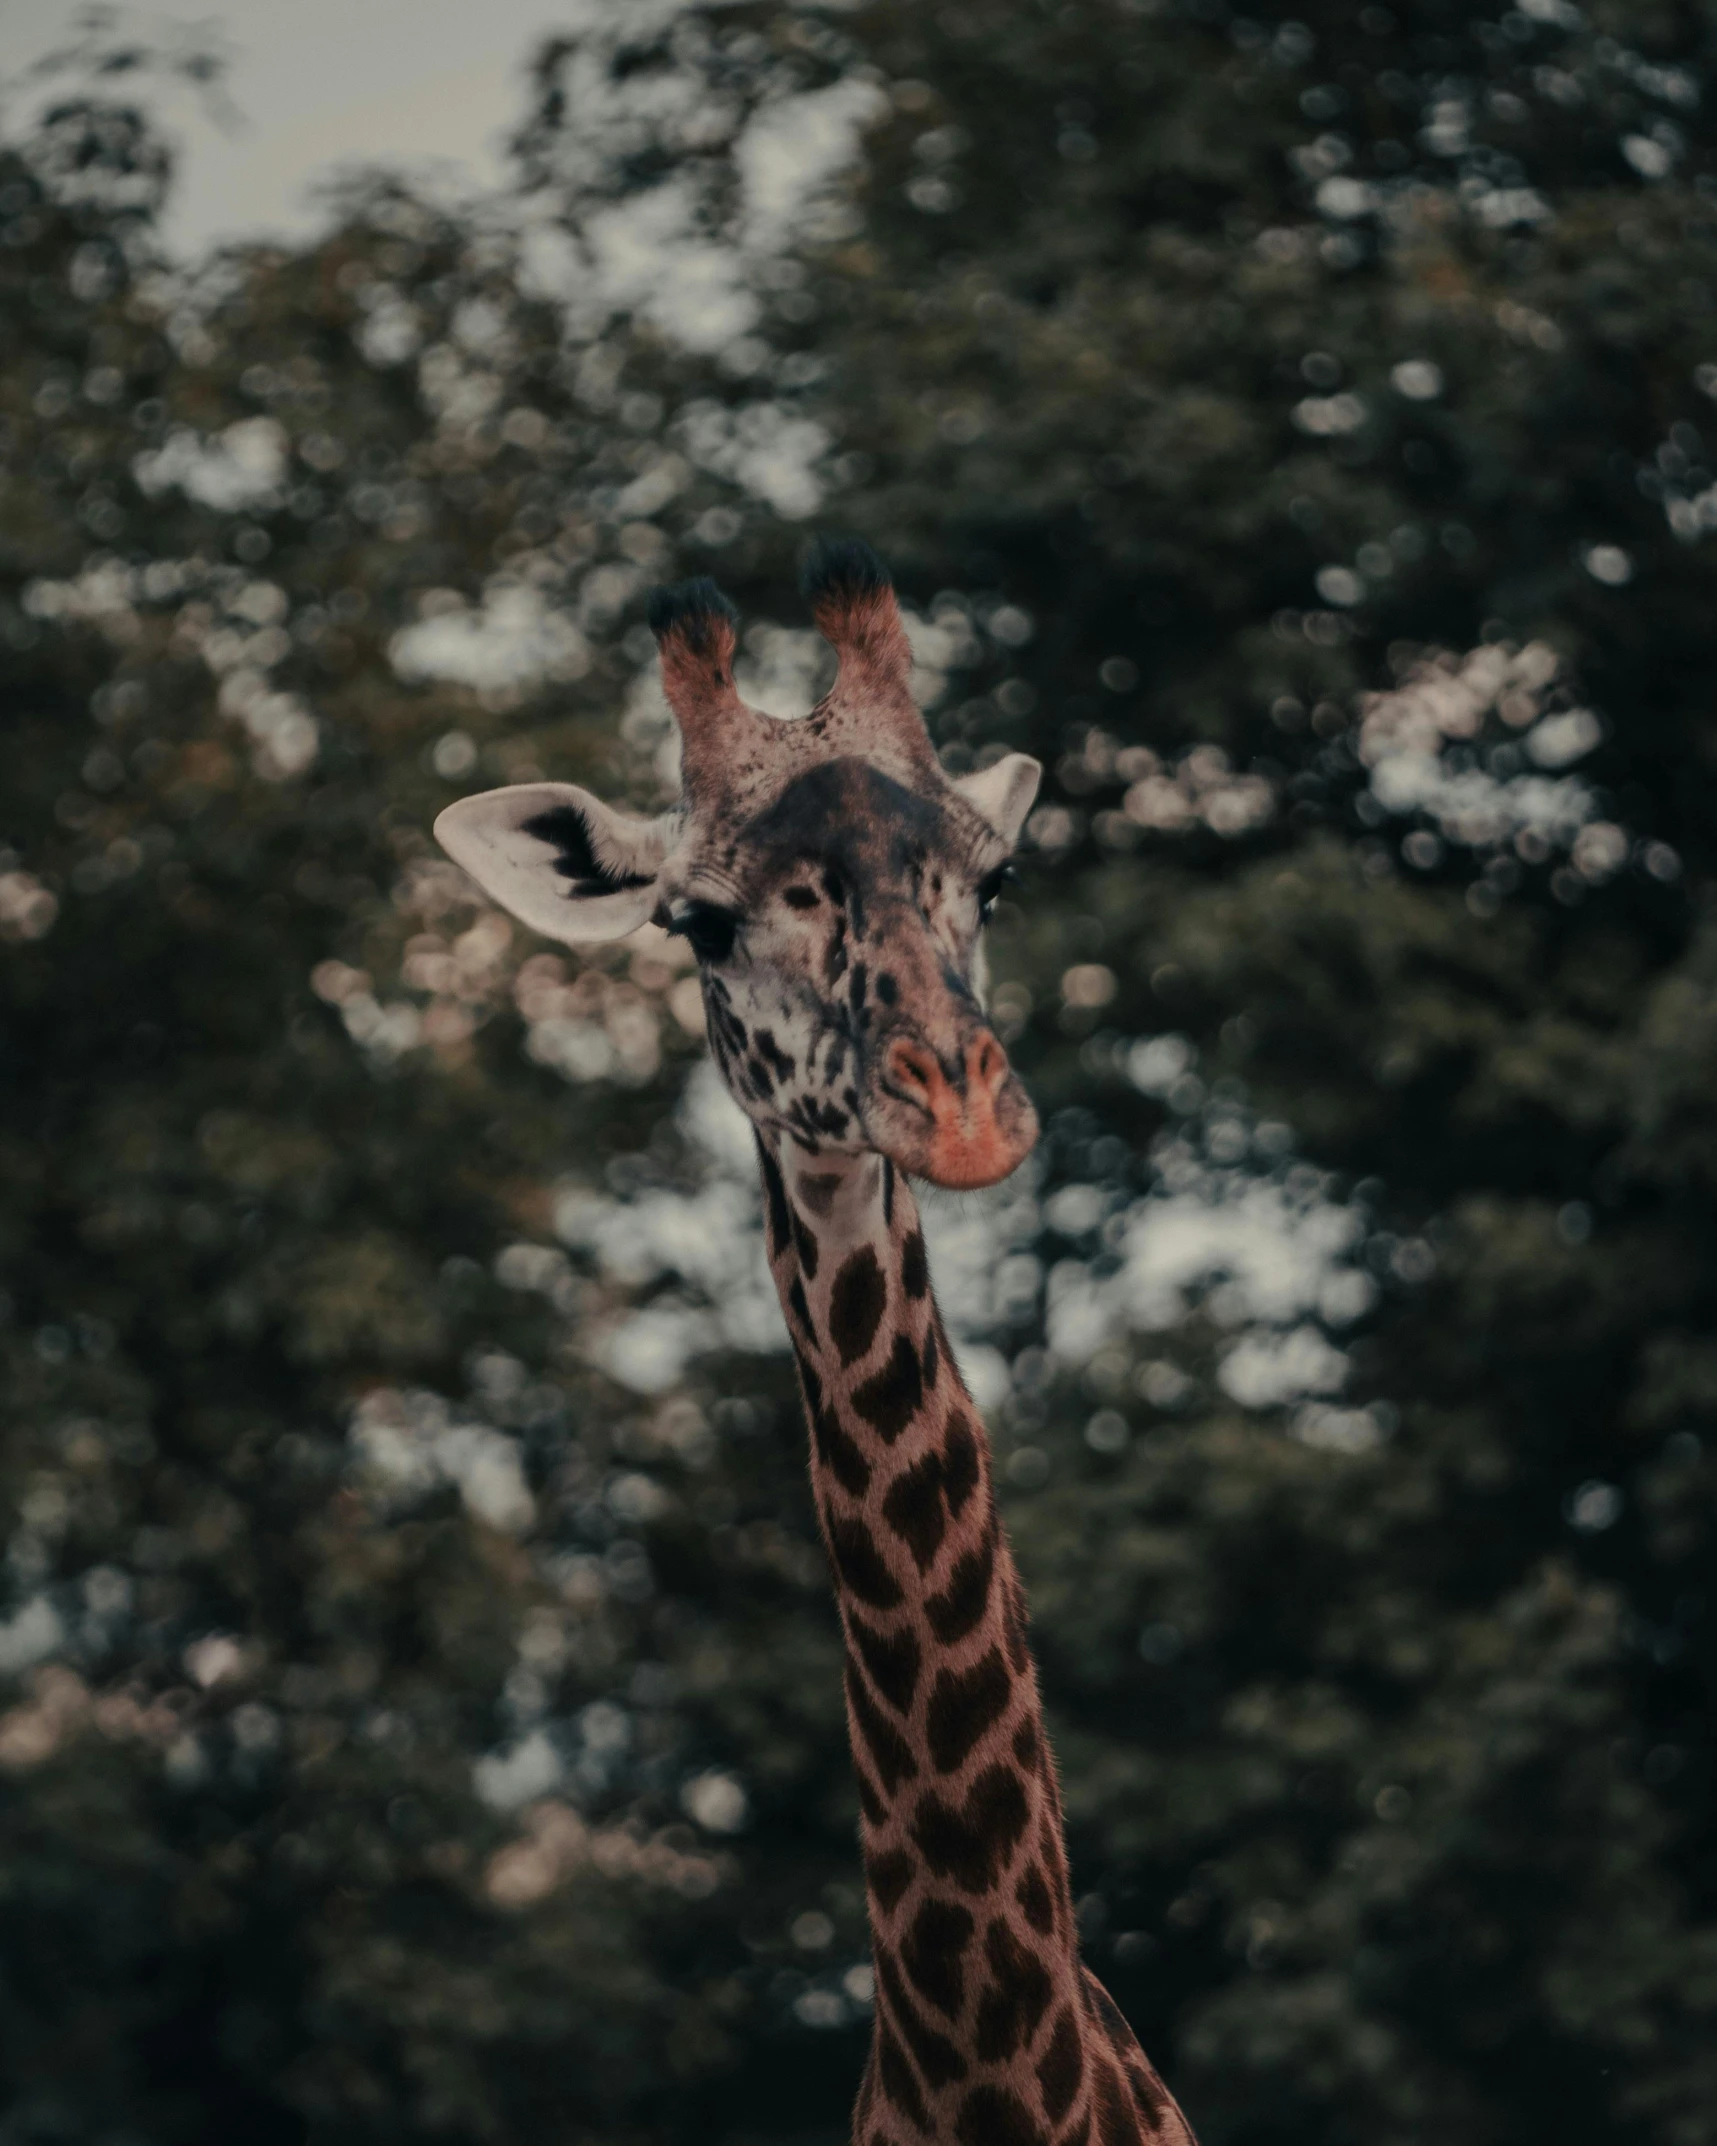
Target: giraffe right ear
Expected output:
[559,859]
[1003,793]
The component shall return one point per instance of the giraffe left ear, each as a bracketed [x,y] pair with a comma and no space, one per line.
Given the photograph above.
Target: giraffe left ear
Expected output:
[1003,793]
[561,860]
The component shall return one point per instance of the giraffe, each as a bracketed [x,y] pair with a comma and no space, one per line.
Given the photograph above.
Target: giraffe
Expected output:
[833,881]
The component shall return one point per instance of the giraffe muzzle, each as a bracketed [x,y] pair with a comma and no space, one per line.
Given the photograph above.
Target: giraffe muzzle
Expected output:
[964,1131]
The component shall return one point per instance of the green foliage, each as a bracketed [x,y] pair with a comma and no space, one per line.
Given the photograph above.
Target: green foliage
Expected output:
[1233,392]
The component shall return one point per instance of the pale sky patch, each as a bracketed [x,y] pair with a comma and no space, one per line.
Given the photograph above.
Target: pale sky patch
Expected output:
[432,84]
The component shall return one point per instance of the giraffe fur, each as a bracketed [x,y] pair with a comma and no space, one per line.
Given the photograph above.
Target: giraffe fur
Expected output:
[989,2027]
[832,881]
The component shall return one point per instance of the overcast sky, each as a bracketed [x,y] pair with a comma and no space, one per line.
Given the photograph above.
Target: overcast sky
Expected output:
[320,83]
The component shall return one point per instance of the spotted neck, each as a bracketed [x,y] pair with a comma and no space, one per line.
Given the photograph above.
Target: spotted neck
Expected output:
[989,2032]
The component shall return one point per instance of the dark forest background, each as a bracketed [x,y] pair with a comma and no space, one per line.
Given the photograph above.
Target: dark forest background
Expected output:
[420,1714]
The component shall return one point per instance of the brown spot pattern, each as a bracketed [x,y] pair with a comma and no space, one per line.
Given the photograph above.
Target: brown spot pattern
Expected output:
[913,1509]
[1017,1998]
[888,1748]
[892,1660]
[940,2063]
[898,2082]
[872,1805]
[957,1609]
[775,1200]
[973,1840]
[856,1304]
[839,1452]
[960,1465]
[799,1305]
[888,1875]
[1034,1896]
[940,1933]
[1115,2125]
[941,1333]
[1061,2067]
[1150,2096]
[818,1190]
[890,1400]
[963,1704]
[860,1563]
[995,2116]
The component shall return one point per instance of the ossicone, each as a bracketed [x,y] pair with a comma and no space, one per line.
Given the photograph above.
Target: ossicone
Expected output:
[852,600]
[841,569]
[697,630]
[697,614]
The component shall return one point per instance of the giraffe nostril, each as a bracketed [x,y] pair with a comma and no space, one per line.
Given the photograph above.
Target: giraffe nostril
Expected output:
[913,1068]
[988,1066]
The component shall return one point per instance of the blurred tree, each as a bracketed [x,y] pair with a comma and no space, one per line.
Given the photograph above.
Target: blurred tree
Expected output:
[1305,416]
[310,1508]
[1292,431]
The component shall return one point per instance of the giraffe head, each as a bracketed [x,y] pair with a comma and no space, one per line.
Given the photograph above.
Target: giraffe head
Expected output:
[831,879]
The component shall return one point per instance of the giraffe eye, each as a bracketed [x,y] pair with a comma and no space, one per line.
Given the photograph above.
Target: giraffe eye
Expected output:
[706,928]
[990,887]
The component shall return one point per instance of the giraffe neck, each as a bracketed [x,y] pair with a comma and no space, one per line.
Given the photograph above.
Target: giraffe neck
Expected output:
[987,2029]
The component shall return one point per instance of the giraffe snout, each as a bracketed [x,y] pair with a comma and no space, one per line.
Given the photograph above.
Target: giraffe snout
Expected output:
[969,1123]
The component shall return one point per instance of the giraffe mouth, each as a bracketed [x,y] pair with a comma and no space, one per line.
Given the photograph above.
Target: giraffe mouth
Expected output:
[962,1129]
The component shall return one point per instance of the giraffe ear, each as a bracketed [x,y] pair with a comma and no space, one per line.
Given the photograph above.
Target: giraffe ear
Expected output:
[1002,794]
[562,861]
